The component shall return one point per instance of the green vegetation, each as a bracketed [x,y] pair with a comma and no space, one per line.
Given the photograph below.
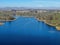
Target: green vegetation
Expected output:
[51,17]
[6,18]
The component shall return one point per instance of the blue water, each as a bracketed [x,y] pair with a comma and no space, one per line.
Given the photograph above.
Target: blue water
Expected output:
[28,31]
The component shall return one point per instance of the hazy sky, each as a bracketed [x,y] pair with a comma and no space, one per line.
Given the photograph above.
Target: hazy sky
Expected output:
[29,3]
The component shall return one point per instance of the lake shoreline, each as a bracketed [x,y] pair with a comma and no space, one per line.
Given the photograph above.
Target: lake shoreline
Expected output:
[57,27]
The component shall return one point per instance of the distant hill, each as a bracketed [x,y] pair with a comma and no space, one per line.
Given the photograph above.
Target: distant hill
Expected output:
[28,8]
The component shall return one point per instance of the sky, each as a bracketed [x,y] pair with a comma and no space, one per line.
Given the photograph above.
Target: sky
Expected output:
[29,3]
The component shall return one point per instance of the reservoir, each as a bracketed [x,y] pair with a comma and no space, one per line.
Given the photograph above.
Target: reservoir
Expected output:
[28,31]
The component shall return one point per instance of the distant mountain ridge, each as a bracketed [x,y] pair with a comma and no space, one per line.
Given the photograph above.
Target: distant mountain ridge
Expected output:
[27,8]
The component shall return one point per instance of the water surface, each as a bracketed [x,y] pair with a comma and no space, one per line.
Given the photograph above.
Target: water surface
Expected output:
[28,31]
